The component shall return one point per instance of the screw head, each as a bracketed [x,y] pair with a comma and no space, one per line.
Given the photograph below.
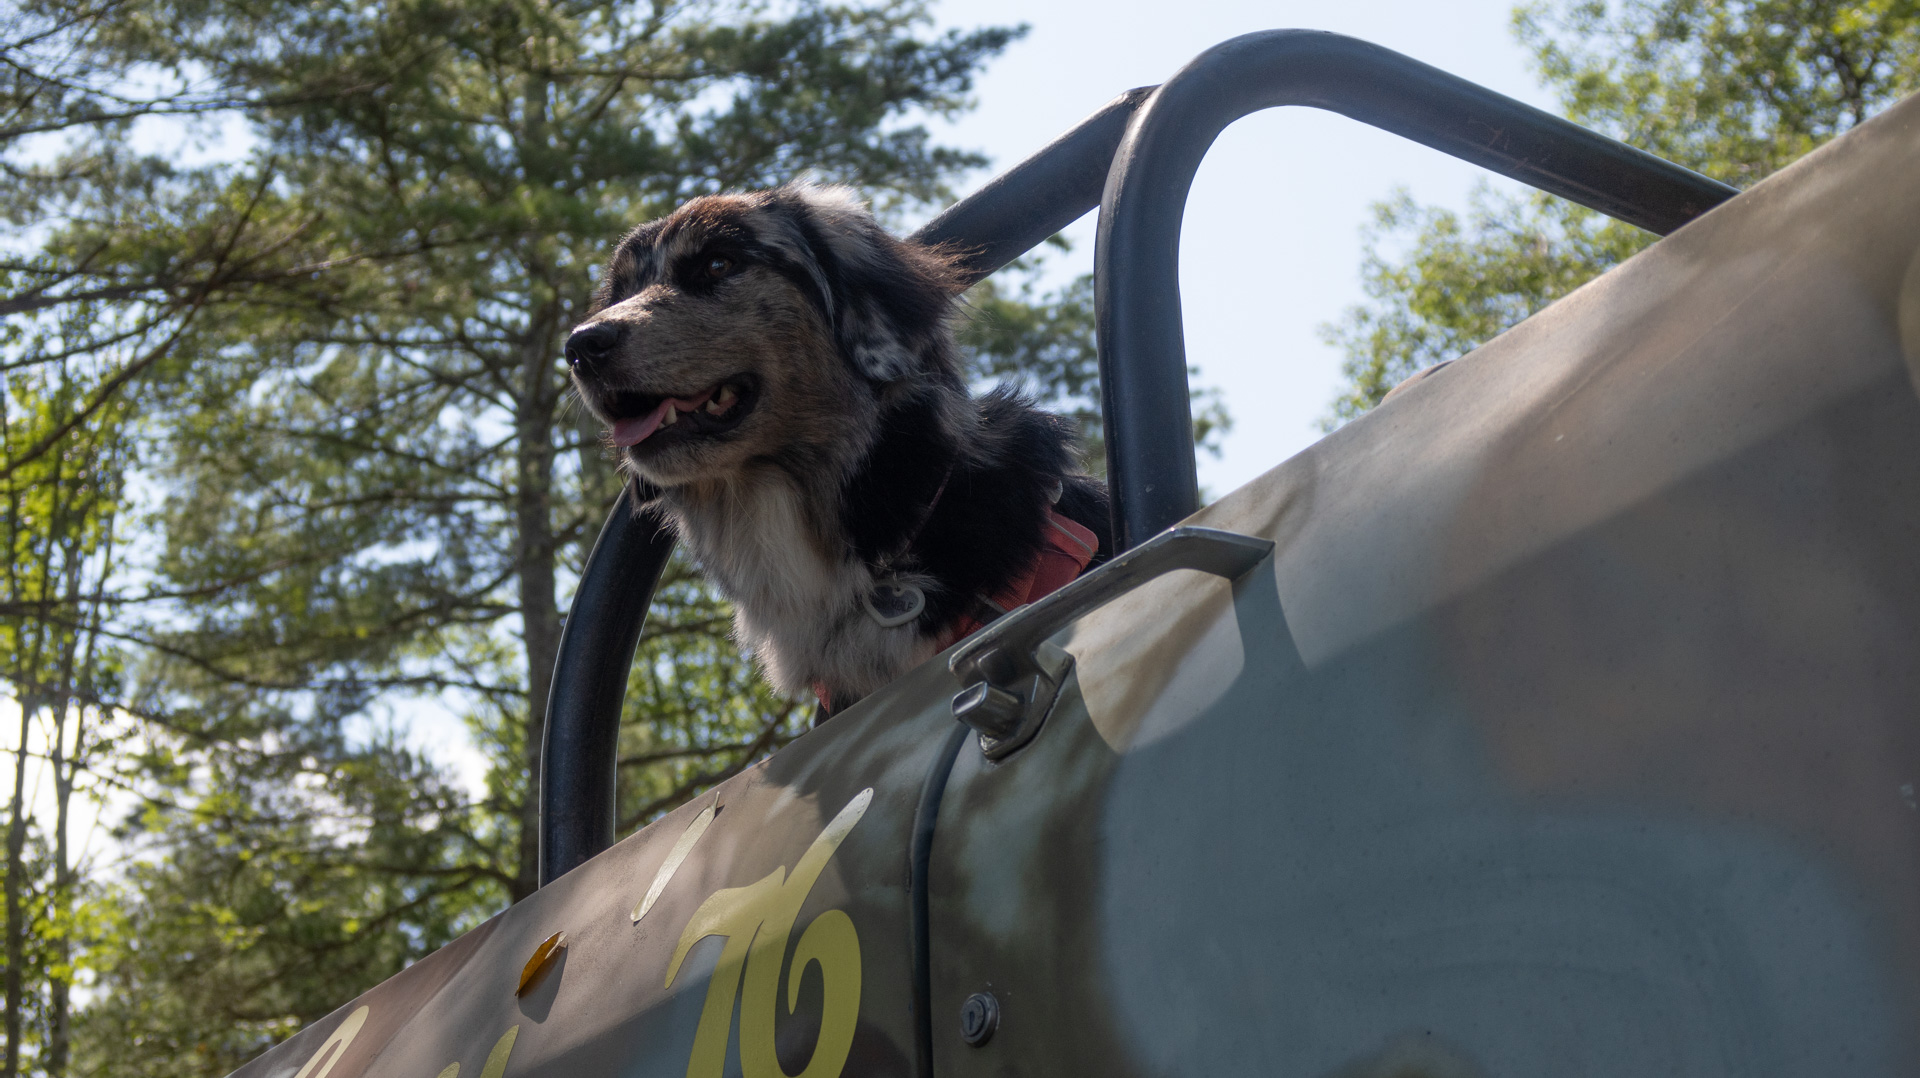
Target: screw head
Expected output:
[979,1017]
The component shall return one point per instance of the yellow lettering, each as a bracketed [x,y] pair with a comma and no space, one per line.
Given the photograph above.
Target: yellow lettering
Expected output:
[334,1046]
[757,921]
[497,1059]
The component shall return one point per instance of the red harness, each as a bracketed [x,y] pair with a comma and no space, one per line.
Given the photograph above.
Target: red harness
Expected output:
[1069,547]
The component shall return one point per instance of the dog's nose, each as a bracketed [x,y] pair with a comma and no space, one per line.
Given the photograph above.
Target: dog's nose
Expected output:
[591,343]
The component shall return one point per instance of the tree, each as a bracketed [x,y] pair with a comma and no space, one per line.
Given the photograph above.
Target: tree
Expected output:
[1013,330]
[112,257]
[106,302]
[348,411]
[317,388]
[57,513]
[1735,90]
[285,885]
[410,413]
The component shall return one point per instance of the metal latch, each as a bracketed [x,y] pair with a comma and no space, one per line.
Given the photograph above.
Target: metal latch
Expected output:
[1012,674]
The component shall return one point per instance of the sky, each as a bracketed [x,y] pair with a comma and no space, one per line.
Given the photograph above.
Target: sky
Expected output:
[1270,245]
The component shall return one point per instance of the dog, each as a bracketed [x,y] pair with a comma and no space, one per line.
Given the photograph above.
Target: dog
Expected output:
[779,376]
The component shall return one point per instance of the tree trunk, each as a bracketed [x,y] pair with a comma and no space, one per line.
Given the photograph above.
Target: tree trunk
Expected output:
[65,876]
[535,406]
[59,1032]
[64,770]
[539,612]
[16,930]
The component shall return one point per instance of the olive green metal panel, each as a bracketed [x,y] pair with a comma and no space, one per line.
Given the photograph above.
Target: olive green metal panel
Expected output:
[1573,729]
[807,857]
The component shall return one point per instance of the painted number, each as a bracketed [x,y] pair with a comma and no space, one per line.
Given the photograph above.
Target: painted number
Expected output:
[757,921]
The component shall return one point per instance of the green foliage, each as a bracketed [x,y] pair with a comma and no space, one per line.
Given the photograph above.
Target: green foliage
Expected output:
[287,886]
[1044,342]
[375,483]
[290,458]
[59,498]
[1463,280]
[315,395]
[1735,90]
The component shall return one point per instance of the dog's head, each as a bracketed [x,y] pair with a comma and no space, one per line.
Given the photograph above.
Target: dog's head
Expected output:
[744,327]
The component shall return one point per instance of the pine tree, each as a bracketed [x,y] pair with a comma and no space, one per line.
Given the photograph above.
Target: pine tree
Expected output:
[1734,89]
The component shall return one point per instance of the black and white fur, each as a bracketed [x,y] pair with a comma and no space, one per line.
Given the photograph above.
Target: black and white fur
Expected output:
[849,452]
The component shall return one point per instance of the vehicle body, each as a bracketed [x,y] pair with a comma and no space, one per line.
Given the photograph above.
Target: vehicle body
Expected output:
[1562,716]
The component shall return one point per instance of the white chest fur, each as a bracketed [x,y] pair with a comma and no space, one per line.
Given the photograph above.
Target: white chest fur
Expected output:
[800,605]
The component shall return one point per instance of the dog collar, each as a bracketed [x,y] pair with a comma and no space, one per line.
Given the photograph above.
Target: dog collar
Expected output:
[1069,548]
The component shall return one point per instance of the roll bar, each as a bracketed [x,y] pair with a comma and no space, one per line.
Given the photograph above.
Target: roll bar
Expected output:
[1142,341]
[1135,159]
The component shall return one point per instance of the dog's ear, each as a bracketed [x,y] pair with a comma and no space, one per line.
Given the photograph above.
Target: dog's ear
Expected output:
[888,300]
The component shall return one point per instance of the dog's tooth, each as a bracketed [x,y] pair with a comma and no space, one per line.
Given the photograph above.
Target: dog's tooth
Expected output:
[724,397]
[672,417]
[714,407]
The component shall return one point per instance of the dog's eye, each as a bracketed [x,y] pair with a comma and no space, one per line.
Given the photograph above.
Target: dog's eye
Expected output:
[719,266]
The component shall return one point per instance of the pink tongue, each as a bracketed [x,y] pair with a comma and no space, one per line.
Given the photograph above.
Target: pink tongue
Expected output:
[634,431]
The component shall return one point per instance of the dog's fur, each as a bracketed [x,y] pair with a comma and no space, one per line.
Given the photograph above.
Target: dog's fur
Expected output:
[853,453]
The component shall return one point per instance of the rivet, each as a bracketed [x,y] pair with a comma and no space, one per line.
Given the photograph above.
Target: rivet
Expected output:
[979,1017]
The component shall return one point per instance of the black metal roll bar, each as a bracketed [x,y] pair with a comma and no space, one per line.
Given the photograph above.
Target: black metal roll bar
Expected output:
[1135,159]
[1142,342]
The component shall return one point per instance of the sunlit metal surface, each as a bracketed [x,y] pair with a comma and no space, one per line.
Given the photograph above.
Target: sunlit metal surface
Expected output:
[1572,728]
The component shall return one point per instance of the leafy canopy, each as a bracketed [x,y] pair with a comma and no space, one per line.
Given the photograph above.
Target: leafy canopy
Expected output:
[1734,89]
[326,376]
